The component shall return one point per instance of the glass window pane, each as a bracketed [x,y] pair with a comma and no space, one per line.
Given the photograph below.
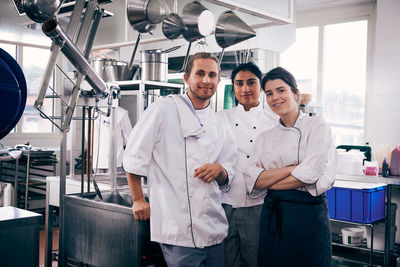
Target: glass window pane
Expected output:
[34,64]
[301,59]
[10,49]
[344,80]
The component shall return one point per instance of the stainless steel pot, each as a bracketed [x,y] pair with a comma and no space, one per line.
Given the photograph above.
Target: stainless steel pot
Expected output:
[99,64]
[111,70]
[144,15]
[120,71]
[154,65]
[198,20]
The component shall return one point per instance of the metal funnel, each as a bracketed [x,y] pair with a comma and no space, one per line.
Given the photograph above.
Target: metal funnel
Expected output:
[198,20]
[173,26]
[230,30]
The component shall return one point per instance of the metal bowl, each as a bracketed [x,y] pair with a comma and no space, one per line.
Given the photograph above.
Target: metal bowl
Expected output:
[144,15]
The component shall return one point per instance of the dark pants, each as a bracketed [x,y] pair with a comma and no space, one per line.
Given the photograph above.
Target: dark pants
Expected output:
[294,230]
[241,244]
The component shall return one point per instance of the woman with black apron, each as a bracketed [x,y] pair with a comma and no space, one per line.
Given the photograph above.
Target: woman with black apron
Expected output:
[296,164]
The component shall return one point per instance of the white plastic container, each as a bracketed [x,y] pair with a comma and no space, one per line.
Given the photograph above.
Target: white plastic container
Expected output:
[350,163]
[379,236]
[6,194]
[352,236]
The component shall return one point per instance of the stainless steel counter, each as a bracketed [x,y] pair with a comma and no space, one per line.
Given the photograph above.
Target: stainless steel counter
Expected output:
[392,180]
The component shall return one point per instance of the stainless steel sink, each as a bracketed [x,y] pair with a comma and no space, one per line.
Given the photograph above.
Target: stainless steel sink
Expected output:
[102,233]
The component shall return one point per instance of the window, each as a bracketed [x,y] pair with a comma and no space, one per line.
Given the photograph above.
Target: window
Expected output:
[330,62]
[301,59]
[33,62]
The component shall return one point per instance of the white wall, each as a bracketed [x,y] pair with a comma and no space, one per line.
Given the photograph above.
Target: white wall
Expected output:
[383,121]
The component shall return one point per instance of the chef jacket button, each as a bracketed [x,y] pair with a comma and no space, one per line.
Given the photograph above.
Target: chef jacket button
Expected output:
[248,156]
[251,141]
[254,127]
[237,124]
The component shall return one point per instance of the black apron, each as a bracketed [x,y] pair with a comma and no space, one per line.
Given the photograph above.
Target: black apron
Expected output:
[294,230]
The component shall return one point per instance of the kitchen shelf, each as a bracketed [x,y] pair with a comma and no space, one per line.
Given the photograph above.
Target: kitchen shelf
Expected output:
[362,248]
[137,95]
[28,175]
[148,85]
[391,181]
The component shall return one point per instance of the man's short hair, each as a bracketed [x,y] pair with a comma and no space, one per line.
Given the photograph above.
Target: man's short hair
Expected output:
[205,55]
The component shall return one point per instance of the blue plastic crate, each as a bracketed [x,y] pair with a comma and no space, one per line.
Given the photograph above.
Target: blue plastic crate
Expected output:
[356,202]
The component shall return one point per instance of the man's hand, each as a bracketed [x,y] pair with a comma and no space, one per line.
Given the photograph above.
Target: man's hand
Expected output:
[141,209]
[211,171]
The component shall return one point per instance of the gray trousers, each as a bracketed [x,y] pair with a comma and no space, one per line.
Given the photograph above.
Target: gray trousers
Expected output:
[176,256]
[241,244]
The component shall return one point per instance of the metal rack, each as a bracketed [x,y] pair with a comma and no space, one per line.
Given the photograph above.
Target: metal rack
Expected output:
[390,182]
[370,250]
[28,175]
[144,93]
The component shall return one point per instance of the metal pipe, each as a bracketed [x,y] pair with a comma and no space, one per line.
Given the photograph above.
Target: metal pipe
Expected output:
[83,150]
[134,50]
[186,58]
[113,151]
[93,30]
[221,57]
[28,164]
[87,20]
[16,183]
[88,152]
[58,36]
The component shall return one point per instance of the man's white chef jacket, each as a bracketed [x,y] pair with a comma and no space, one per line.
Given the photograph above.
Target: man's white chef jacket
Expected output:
[167,144]
[245,126]
[308,144]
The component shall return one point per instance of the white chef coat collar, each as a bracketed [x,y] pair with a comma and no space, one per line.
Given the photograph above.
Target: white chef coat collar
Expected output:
[191,124]
[297,122]
[240,108]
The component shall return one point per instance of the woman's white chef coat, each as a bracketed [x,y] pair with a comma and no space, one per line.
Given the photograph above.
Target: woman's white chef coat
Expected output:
[166,145]
[308,144]
[245,126]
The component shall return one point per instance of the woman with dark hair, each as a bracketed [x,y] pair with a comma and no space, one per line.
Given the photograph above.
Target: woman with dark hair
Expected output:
[245,122]
[295,164]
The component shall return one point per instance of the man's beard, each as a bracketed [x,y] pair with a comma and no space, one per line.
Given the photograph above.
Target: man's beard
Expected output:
[195,93]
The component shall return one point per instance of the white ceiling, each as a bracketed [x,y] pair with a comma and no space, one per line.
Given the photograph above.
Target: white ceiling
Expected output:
[307,5]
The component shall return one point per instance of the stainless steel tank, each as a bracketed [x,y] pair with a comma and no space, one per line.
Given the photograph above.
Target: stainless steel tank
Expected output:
[105,233]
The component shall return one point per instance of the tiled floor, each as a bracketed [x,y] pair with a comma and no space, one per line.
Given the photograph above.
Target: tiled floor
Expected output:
[42,246]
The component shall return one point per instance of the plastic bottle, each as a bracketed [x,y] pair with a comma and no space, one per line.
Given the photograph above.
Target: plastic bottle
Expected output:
[383,149]
[229,97]
[385,167]
[395,161]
